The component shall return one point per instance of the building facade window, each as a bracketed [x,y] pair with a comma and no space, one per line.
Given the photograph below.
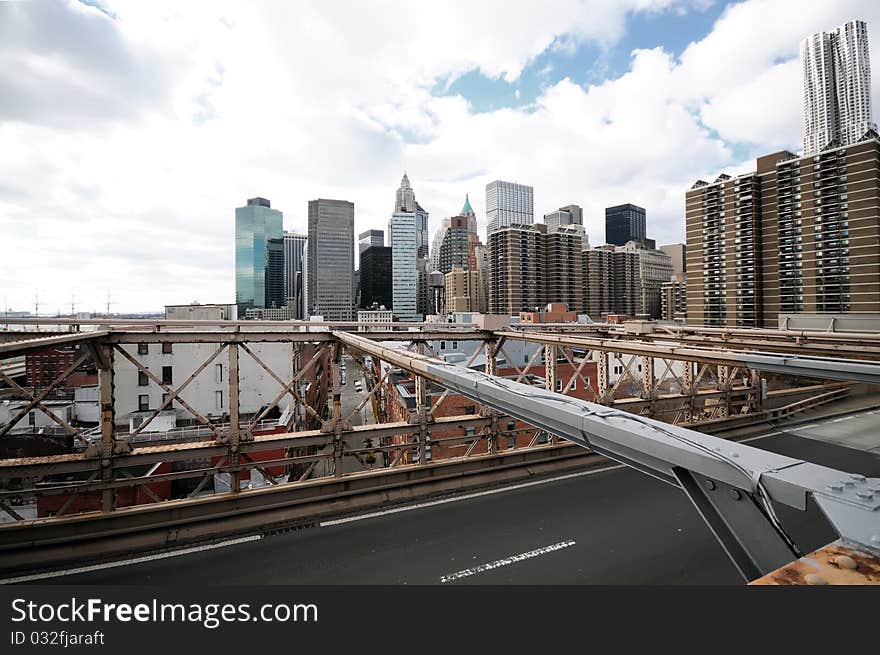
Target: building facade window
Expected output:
[143,403]
[166,375]
[143,349]
[143,380]
[166,347]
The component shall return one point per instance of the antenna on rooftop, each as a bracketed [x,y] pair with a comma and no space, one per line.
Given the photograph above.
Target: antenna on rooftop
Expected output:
[109,303]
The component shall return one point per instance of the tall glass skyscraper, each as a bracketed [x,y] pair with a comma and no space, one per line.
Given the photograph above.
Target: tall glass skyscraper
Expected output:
[259,257]
[404,266]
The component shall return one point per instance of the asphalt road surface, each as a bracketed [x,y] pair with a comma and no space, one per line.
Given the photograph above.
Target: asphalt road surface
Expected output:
[616,526]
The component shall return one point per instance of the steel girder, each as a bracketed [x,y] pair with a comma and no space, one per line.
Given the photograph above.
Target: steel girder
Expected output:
[678,456]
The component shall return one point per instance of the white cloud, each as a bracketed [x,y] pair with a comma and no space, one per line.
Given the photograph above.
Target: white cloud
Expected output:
[127,143]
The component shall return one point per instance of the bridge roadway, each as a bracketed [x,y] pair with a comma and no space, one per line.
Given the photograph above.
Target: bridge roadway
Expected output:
[611,526]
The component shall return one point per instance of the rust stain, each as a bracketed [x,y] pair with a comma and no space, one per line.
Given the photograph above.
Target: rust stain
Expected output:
[834,564]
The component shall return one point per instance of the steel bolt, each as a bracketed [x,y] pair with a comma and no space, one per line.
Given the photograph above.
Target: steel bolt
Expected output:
[835,487]
[867,495]
[849,483]
[857,476]
[710,485]
[735,494]
[845,562]
[814,579]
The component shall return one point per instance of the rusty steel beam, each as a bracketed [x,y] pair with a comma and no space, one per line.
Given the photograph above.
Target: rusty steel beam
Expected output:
[835,564]
[37,400]
[38,467]
[834,368]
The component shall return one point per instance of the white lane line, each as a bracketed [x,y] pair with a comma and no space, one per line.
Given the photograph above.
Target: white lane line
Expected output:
[455,499]
[760,436]
[133,560]
[513,559]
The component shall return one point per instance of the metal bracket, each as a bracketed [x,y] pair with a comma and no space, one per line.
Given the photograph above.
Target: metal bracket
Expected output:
[738,523]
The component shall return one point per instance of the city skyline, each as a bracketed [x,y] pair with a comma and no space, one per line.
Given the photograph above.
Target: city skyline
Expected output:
[142,187]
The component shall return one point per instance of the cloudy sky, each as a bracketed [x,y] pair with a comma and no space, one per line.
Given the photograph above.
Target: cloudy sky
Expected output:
[129,131]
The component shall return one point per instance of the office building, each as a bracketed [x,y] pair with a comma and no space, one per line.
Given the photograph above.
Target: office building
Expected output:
[405,202]
[624,223]
[798,235]
[481,256]
[369,239]
[404,266]
[269,314]
[837,87]
[508,203]
[456,248]
[462,288]
[375,277]
[201,312]
[568,215]
[408,238]
[676,252]
[376,314]
[294,275]
[275,273]
[259,256]
[655,269]
[330,262]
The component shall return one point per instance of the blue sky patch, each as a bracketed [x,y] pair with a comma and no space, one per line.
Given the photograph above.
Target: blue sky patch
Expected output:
[588,64]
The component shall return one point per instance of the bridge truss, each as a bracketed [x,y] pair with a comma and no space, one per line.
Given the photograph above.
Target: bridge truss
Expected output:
[652,394]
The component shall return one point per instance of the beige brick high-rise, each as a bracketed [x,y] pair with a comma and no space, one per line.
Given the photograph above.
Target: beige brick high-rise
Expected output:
[800,234]
[515,276]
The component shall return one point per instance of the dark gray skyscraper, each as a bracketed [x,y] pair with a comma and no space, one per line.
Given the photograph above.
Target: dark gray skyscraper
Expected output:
[275,273]
[375,279]
[331,259]
[624,223]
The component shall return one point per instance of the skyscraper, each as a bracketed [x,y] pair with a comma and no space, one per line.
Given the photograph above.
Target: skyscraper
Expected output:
[837,87]
[624,223]
[798,234]
[404,262]
[568,215]
[679,264]
[331,259]
[515,280]
[456,246]
[294,276]
[259,269]
[369,239]
[408,238]
[508,203]
[375,277]
[275,273]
